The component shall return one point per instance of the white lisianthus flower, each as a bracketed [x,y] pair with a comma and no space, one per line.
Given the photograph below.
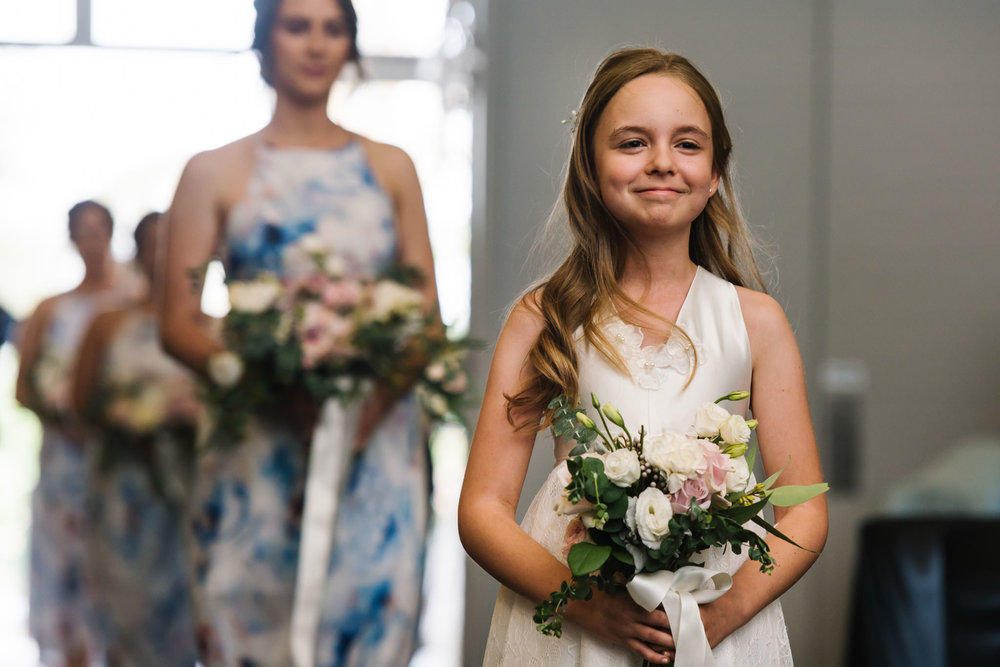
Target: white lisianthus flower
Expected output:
[313,243]
[390,298]
[738,476]
[708,419]
[734,430]
[678,456]
[622,467]
[225,368]
[652,517]
[254,296]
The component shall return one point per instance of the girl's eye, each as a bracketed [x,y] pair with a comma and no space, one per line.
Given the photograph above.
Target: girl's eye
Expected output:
[688,146]
[632,143]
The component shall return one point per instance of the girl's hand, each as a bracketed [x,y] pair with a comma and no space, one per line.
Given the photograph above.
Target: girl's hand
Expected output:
[616,618]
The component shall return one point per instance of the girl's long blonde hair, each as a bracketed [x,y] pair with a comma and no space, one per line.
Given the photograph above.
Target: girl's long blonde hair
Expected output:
[585,286]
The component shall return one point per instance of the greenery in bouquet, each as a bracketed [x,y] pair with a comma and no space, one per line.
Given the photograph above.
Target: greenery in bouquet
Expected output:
[327,335]
[647,503]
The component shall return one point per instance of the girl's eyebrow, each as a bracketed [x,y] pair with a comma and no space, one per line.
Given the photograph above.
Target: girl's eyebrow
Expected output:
[638,129]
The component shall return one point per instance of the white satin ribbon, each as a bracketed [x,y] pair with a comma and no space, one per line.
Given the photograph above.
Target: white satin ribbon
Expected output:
[329,455]
[680,593]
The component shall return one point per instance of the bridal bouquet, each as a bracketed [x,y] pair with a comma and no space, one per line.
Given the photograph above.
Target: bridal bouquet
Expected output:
[328,334]
[646,504]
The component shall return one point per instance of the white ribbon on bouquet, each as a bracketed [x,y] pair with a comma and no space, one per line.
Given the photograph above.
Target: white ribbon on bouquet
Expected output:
[680,593]
[329,458]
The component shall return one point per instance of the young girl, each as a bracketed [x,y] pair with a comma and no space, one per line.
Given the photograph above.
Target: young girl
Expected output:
[653,311]
[253,198]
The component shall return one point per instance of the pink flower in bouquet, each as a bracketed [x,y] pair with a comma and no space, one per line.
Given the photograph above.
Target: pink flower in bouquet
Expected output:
[692,489]
[576,532]
[323,334]
[718,465]
[341,293]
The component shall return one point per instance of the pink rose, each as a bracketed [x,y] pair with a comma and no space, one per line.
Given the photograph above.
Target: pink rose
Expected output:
[692,489]
[576,532]
[341,293]
[323,334]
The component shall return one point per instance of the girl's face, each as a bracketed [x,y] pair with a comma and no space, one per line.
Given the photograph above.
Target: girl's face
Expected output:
[653,155]
[91,236]
[310,44]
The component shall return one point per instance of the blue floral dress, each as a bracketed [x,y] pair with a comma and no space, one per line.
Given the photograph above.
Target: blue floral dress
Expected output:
[58,604]
[247,502]
[139,459]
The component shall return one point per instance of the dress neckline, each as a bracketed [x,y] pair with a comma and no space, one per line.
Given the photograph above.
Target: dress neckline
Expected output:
[680,316]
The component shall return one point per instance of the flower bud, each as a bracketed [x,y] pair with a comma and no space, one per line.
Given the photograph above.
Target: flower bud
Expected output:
[736,396]
[612,413]
[585,420]
[735,451]
[752,424]
[594,401]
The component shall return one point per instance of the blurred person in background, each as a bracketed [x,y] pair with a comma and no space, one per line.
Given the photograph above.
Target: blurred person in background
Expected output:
[48,343]
[139,408]
[302,174]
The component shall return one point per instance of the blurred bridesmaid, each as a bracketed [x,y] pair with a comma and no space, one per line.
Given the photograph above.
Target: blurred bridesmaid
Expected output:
[140,409]
[48,343]
[255,199]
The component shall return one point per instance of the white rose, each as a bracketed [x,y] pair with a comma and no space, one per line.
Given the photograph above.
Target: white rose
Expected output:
[390,297]
[253,296]
[652,517]
[734,430]
[678,456]
[738,475]
[334,265]
[622,467]
[708,418]
[225,368]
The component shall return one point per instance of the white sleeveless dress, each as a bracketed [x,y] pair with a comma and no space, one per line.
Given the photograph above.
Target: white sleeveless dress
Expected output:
[655,395]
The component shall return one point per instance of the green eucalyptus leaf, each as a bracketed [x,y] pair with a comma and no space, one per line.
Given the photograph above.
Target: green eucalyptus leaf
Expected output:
[623,557]
[578,450]
[585,558]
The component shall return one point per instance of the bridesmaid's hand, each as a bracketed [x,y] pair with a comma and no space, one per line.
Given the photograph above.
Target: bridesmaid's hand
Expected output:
[616,618]
[374,410]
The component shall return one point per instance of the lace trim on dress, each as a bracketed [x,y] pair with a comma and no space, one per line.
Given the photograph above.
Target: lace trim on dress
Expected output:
[651,365]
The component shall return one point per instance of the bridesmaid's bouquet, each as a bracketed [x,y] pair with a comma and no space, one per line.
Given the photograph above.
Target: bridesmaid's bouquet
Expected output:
[326,335]
[646,504]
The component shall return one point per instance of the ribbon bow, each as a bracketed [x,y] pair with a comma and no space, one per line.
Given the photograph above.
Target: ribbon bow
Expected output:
[680,593]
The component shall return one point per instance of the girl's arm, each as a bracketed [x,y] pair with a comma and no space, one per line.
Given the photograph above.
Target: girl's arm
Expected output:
[786,440]
[29,347]
[189,234]
[498,462]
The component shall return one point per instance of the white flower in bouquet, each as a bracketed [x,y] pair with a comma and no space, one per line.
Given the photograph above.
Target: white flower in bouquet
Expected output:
[149,408]
[313,244]
[335,265]
[678,456]
[436,372]
[391,298]
[591,520]
[225,368]
[708,419]
[652,517]
[622,467]
[738,476]
[254,296]
[734,430]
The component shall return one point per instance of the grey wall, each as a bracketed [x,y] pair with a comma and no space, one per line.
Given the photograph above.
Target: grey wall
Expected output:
[866,147]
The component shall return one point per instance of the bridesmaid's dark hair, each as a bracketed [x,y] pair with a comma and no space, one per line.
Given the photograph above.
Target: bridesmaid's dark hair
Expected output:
[263,28]
[77,210]
[140,234]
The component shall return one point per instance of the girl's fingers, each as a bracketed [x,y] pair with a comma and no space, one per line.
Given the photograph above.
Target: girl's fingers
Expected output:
[647,653]
[655,637]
